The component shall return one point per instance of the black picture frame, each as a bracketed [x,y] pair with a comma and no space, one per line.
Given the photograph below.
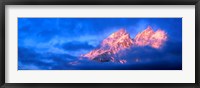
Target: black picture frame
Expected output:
[3,3]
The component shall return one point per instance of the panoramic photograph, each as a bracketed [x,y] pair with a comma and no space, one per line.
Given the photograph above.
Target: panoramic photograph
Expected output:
[99,43]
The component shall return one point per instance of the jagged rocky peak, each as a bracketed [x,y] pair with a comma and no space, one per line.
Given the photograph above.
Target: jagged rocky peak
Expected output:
[118,39]
[151,38]
[144,35]
[118,33]
[149,29]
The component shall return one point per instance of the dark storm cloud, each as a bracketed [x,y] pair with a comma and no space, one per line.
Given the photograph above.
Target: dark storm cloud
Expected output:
[170,48]
[29,59]
[167,57]
[75,45]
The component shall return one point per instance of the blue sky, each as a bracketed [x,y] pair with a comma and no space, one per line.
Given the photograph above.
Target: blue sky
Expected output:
[46,43]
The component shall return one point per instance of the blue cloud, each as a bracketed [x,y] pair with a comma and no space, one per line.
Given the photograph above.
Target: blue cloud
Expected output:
[52,43]
[75,45]
[29,59]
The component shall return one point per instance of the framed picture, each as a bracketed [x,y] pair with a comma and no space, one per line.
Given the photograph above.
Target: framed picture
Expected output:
[101,43]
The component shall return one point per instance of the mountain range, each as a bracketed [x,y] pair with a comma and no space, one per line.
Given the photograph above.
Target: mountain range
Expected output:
[112,48]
